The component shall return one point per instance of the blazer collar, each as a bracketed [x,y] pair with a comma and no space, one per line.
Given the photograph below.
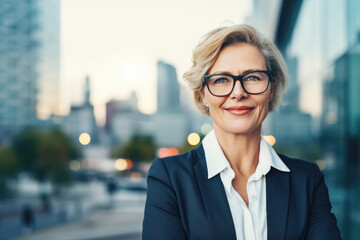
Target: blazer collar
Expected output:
[277,203]
[214,199]
[218,210]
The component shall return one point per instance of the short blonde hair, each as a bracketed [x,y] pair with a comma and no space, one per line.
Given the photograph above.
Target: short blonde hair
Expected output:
[209,47]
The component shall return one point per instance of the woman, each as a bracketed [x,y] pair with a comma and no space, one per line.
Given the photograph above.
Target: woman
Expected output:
[234,185]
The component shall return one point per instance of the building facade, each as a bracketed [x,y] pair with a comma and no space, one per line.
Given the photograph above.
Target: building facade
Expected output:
[323,37]
[29,63]
[124,120]
[81,118]
[168,88]
[169,126]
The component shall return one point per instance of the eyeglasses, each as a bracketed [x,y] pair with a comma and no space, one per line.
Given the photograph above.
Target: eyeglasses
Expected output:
[222,84]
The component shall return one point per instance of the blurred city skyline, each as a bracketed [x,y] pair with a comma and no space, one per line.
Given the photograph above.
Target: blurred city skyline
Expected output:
[126,58]
[118,43]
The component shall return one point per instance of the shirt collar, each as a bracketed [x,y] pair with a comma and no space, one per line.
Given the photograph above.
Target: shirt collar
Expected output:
[216,161]
[268,158]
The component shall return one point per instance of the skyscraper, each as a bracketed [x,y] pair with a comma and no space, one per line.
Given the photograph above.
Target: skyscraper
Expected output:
[29,63]
[170,120]
[168,88]
[81,118]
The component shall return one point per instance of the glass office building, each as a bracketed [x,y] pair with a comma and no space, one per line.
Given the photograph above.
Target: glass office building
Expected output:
[326,42]
[320,40]
[29,63]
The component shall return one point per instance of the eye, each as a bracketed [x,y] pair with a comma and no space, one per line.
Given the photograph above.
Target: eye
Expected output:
[252,78]
[220,80]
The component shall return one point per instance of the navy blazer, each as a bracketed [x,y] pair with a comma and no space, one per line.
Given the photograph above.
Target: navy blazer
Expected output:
[182,203]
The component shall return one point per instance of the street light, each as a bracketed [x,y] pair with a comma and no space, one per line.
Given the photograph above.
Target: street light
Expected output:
[121,164]
[205,128]
[193,139]
[74,165]
[84,139]
[270,139]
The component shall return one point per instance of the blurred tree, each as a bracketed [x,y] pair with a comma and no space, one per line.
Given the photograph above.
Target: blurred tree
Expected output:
[8,169]
[55,151]
[26,147]
[45,154]
[186,147]
[140,148]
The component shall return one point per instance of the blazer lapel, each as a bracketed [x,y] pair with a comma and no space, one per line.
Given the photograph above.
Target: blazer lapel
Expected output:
[277,203]
[214,199]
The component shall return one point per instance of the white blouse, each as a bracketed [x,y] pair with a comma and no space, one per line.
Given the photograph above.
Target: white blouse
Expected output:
[249,222]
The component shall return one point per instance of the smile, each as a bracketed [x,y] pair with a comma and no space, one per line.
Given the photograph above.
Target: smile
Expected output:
[239,111]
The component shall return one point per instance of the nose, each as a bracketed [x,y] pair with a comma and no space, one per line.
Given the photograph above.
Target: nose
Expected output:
[238,92]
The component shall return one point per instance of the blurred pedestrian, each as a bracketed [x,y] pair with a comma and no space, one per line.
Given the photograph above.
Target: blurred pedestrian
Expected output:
[111,187]
[27,218]
[234,185]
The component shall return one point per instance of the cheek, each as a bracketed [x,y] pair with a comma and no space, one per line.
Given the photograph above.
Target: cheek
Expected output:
[216,102]
[210,100]
[264,103]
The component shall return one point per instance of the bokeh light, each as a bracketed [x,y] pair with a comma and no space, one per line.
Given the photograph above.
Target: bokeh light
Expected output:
[166,152]
[74,165]
[121,164]
[270,139]
[193,139]
[321,164]
[205,128]
[136,176]
[84,139]
[129,164]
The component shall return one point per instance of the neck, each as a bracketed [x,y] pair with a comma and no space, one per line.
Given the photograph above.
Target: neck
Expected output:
[241,150]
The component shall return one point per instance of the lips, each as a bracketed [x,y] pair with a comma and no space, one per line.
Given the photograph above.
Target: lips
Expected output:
[239,111]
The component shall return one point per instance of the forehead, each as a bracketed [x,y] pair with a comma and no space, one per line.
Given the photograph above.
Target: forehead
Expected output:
[238,58]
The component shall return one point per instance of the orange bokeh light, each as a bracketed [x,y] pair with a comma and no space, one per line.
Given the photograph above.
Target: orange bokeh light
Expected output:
[129,163]
[270,139]
[166,152]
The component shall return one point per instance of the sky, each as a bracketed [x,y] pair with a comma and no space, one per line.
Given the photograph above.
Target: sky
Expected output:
[118,42]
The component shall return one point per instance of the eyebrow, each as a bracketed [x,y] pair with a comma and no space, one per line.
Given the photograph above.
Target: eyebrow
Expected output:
[246,71]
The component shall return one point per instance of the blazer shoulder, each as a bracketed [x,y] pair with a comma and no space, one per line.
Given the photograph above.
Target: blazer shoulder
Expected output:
[176,163]
[298,166]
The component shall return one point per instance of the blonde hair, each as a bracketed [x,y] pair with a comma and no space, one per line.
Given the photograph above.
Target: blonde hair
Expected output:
[209,47]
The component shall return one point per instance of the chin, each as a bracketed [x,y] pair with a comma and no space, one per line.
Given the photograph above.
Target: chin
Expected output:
[241,131]
[241,128]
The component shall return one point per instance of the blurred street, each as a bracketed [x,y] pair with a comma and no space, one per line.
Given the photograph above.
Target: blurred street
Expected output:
[88,211]
[106,223]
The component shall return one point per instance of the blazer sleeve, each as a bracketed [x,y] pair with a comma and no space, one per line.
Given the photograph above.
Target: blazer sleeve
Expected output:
[322,223]
[161,218]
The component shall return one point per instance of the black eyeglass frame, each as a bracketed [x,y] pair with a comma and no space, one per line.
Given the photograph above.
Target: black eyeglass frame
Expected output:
[236,78]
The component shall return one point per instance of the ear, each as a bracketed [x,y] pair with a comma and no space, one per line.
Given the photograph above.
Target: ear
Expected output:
[202,95]
[272,89]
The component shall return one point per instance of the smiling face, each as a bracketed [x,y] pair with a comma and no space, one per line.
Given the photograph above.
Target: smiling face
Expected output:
[239,112]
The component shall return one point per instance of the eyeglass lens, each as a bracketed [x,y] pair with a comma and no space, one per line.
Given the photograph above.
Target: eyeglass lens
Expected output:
[254,82]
